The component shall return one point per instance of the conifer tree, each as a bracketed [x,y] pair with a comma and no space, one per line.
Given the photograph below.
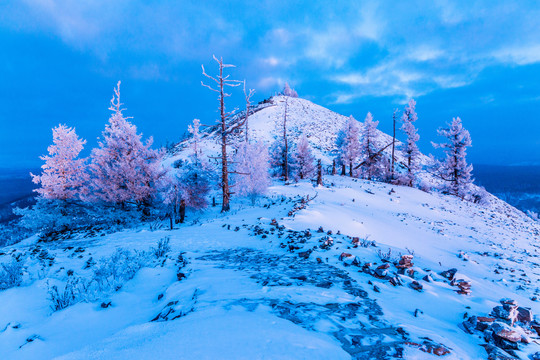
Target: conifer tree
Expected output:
[410,149]
[123,168]
[454,170]
[64,175]
[369,153]
[348,144]
[304,161]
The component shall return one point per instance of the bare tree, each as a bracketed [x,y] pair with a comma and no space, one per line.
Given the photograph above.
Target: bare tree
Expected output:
[393,141]
[285,145]
[226,128]
[247,94]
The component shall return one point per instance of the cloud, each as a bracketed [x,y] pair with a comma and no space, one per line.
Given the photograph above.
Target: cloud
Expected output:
[521,55]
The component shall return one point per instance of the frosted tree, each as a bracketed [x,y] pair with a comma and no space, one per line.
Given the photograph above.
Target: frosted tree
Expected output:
[195,141]
[280,155]
[304,161]
[251,167]
[247,95]
[410,149]
[287,91]
[369,153]
[124,169]
[348,144]
[193,180]
[454,170]
[63,175]
[226,127]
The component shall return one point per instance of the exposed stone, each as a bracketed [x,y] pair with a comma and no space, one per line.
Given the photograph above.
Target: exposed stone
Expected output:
[494,353]
[305,254]
[509,315]
[416,286]
[503,331]
[449,274]
[524,315]
[328,242]
[405,262]
[382,271]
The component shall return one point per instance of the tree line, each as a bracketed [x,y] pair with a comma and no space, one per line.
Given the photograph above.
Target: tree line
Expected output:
[125,180]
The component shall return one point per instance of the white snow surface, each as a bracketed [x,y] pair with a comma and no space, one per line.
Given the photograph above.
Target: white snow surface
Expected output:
[246,297]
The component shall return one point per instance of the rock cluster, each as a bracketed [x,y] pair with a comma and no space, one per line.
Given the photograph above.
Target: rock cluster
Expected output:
[508,327]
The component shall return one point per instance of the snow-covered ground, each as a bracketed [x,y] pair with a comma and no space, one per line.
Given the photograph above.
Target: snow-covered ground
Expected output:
[254,289]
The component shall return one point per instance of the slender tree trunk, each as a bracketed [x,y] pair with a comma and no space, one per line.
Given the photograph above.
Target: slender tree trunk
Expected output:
[334,167]
[350,169]
[393,143]
[319,173]
[224,165]
[343,171]
[286,144]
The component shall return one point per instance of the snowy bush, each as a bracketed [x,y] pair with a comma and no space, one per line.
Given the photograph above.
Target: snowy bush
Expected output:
[385,256]
[11,274]
[533,215]
[163,248]
[112,272]
[73,292]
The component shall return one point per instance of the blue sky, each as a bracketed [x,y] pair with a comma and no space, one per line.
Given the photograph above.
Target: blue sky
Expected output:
[60,60]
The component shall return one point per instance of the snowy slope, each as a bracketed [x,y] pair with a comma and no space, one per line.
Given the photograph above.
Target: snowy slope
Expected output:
[250,293]
[320,125]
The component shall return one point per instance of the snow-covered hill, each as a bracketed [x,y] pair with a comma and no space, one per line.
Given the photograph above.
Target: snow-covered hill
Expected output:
[320,125]
[243,286]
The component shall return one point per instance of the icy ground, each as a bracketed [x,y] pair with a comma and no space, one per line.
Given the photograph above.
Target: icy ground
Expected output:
[246,287]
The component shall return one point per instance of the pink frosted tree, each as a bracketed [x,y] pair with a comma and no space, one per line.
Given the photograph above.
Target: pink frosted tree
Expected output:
[251,170]
[63,176]
[369,153]
[349,145]
[303,160]
[454,170]
[287,91]
[410,149]
[124,169]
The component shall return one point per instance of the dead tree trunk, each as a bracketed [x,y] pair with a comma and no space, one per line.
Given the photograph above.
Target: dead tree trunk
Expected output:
[393,142]
[334,167]
[225,128]
[319,173]
[286,146]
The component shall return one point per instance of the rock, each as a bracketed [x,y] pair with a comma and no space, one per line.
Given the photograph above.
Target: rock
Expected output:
[503,331]
[535,356]
[105,305]
[180,276]
[395,281]
[509,315]
[320,230]
[405,262]
[382,271]
[327,243]
[427,278]
[305,254]
[470,324]
[416,286]
[494,353]
[376,289]
[464,287]
[319,260]
[449,274]
[274,222]
[524,315]
[355,241]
